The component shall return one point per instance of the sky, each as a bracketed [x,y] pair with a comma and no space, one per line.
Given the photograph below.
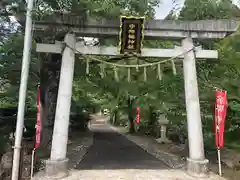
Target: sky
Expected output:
[166,6]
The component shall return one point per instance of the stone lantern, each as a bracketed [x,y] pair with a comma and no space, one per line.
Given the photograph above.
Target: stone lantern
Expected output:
[163,122]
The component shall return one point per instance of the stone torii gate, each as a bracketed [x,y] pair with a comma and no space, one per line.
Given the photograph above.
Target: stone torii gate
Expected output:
[56,166]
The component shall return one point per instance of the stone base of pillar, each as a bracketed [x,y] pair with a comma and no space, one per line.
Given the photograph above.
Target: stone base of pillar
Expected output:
[56,169]
[163,140]
[197,168]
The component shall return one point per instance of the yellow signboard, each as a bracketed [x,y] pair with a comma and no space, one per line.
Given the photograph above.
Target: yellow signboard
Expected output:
[131,34]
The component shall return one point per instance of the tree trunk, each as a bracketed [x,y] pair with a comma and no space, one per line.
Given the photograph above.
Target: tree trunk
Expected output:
[49,82]
[112,117]
[131,116]
[116,116]
[152,120]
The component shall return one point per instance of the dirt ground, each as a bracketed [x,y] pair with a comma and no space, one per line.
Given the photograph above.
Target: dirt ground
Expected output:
[231,174]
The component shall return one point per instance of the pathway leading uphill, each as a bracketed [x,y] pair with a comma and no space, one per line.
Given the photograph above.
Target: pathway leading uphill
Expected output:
[112,151]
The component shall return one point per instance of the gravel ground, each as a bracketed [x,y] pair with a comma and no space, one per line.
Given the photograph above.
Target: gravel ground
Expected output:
[133,174]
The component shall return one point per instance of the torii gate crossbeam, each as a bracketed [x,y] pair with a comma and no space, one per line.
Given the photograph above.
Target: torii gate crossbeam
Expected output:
[153,29]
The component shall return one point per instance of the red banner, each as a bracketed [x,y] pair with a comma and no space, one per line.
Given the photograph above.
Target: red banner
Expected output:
[220,116]
[138,115]
[38,124]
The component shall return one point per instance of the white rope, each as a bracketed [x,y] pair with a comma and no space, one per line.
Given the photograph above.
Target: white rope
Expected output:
[142,65]
[145,74]
[116,73]
[138,65]
[159,72]
[129,74]
[87,66]
[174,68]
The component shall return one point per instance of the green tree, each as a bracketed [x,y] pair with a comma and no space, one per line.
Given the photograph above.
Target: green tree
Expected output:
[222,73]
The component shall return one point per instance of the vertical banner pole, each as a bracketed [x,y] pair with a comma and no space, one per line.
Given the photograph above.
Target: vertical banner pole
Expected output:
[219,163]
[32,163]
[23,90]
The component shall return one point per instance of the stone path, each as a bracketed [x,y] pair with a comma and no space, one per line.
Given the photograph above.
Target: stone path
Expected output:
[110,150]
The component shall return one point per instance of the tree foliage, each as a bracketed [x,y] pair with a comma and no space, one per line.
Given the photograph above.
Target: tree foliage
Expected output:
[164,97]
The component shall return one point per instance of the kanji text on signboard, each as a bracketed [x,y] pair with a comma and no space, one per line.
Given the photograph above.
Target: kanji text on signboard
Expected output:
[131,34]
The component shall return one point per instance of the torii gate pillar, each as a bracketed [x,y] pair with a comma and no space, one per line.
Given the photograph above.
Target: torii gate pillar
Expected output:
[57,166]
[196,163]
